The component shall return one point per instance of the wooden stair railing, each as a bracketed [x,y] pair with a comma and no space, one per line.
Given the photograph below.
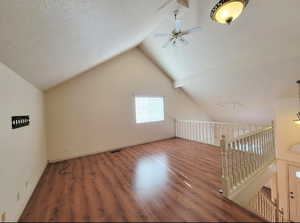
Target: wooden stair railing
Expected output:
[211,132]
[245,156]
[246,151]
[264,207]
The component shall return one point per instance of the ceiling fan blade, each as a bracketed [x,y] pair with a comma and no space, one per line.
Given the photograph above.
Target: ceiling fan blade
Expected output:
[178,24]
[195,29]
[184,42]
[167,44]
[161,34]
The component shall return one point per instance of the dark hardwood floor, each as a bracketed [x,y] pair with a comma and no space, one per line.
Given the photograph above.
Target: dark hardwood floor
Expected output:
[170,180]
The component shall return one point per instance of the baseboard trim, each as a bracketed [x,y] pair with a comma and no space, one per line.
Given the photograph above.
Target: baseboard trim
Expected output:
[32,191]
[109,150]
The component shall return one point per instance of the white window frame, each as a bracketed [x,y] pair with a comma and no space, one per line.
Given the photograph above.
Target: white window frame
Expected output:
[148,96]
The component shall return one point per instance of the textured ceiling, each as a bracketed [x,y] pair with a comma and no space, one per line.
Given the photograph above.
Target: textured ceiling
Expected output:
[49,41]
[236,72]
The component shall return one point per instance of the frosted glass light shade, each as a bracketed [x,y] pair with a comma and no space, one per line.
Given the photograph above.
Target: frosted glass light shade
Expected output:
[227,11]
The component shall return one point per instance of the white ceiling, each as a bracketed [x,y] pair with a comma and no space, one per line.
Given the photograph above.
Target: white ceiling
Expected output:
[236,72]
[49,41]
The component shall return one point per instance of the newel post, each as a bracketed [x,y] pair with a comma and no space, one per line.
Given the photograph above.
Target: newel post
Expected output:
[224,166]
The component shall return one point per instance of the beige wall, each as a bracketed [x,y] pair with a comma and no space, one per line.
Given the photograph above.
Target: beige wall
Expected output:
[94,112]
[23,150]
[287,134]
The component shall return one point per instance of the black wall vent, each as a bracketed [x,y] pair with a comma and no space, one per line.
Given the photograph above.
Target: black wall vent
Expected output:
[19,121]
[116,151]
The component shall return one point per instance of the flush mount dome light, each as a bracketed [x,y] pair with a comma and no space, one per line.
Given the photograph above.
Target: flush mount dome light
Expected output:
[226,11]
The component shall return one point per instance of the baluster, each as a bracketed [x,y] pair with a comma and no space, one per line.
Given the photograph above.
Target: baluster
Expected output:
[264,146]
[259,149]
[197,128]
[179,129]
[221,133]
[201,131]
[236,176]
[207,133]
[193,130]
[252,154]
[212,133]
[231,166]
[241,159]
[225,167]
[182,128]
[186,129]
[190,130]
[268,146]
[268,154]
[245,158]
[188,125]
[246,153]
[216,133]
[272,149]
[273,142]
[196,131]
[212,130]
[248,156]
[176,128]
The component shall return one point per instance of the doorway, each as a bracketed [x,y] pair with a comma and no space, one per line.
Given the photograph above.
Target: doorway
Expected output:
[294,193]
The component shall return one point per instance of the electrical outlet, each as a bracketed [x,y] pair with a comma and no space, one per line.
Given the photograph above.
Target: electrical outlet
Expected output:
[26,184]
[3,217]
[18,196]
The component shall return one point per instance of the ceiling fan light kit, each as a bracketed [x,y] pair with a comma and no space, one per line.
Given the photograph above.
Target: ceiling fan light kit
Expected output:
[297,121]
[226,11]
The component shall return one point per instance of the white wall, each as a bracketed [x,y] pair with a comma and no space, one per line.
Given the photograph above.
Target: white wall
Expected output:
[94,112]
[23,150]
[287,134]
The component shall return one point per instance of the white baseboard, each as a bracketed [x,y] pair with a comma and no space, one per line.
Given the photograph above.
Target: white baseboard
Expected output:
[30,192]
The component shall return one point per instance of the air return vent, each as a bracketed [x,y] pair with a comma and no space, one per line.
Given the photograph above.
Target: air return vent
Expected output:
[19,121]
[116,151]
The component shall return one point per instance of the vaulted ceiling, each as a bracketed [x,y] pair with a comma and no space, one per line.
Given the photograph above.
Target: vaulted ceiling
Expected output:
[235,72]
[49,41]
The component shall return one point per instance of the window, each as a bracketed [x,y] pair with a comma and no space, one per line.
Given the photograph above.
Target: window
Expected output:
[149,109]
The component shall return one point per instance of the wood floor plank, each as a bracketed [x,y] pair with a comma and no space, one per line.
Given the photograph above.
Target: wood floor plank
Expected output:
[167,181]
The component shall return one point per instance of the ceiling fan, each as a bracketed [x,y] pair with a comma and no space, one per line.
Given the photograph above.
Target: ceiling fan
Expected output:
[177,35]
